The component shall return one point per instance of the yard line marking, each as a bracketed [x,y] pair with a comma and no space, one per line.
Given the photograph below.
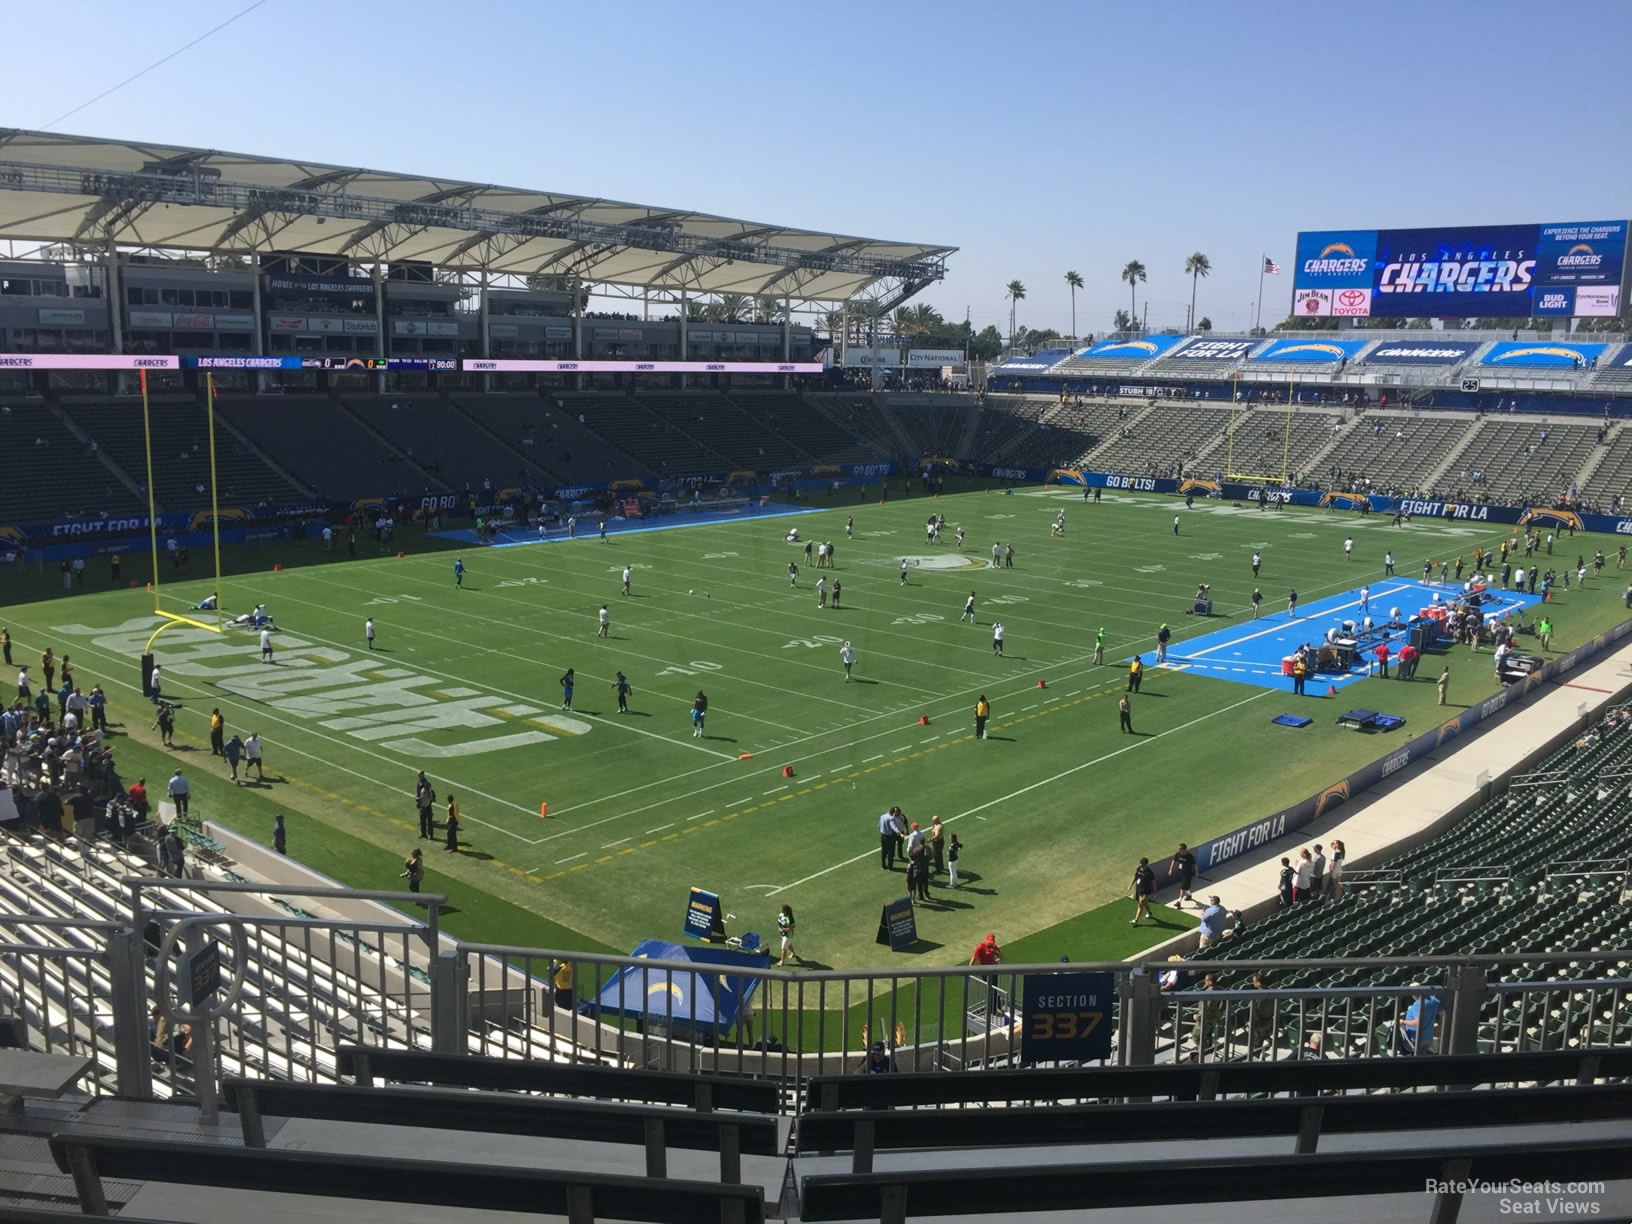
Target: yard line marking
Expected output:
[879,757]
[731,803]
[619,842]
[1065,773]
[774,789]
[700,815]
[1032,706]
[840,769]
[932,739]
[579,855]
[660,828]
[1049,700]
[902,748]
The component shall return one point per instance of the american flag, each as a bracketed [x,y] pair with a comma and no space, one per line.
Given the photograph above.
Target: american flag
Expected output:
[1271,268]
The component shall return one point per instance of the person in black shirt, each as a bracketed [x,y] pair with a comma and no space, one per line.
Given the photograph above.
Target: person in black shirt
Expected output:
[1144,884]
[1184,867]
[424,798]
[877,1062]
[622,685]
[1288,877]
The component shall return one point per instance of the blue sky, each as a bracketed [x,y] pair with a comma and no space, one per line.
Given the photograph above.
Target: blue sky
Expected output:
[1035,137]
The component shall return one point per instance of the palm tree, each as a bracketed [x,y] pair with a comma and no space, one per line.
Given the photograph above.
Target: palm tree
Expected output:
[1133,274]
[1015,292]
[1074,282]
[1197,266]
[1122,321]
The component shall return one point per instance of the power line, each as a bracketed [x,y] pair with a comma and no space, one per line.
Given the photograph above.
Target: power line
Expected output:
[155,64]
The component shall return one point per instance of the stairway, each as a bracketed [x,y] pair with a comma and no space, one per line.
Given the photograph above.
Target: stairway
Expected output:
[1599,454]
[85,439]
[973,410]
[1314,462]
[477,423]
[431,481]
[223,423]
[1133,420]
[1432,479]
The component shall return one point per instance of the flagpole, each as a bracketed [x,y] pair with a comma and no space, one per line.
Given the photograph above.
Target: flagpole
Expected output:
[1263,261]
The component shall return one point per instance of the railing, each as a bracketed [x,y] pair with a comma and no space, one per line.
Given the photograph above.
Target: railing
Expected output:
[293,985]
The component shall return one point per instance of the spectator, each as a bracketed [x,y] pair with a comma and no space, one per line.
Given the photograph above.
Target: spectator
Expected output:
[180,792]
[280,836]
[1287,881]
[1334,871]
[878,1061]
[1215,920]
[1415,1033]
[1317,870]
[1305,873]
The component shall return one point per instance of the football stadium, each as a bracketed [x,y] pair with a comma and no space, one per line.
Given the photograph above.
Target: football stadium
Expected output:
[605,738]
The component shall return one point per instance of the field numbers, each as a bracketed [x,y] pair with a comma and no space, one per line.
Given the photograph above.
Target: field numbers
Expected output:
[816,643]
[1206,556]
[391,599]
[691,669]
[918,618]
[1084,583]
[719,556]
[1009,599]
[522,582]
[1005,516]
[1148,569]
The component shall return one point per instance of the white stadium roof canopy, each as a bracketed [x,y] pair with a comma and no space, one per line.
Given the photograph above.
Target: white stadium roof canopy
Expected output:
[89,191]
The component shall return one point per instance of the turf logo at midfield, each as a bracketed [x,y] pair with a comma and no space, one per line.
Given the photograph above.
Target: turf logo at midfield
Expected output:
[939,561]
[315,686]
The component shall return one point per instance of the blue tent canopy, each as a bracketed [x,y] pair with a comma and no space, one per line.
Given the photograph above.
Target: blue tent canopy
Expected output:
[693,1005]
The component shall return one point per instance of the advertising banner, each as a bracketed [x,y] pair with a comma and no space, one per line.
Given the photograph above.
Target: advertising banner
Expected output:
[360,327]
[1581,253]
[235,322]
[1422,352]
[423,327]
[1335,259]
[85,361]
[286,323]
[149,318]
[62,318]
[856,358]
[194,322]
[480,365]
[919,359]
[316,286]
[1222,349]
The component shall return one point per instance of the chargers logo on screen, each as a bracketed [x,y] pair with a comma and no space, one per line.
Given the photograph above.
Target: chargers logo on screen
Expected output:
[1580,256]
[1335,259]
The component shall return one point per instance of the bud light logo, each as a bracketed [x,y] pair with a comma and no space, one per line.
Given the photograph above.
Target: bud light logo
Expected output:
[1552,301]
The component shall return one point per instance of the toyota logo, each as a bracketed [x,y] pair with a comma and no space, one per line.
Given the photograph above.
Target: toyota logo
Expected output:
[1351,297]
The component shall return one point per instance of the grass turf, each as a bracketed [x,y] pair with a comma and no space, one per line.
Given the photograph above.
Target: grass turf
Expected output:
[1054,807]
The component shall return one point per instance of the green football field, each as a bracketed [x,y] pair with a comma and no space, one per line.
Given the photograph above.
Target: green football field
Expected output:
[1054,808]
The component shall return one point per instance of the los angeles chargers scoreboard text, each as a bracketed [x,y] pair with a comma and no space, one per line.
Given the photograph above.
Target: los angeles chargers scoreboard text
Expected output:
[1567,269]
